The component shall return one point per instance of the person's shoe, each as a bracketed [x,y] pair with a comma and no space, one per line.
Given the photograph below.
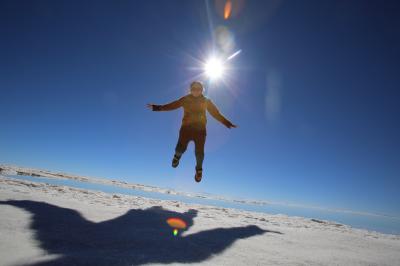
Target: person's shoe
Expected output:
[175,162]
[199,175]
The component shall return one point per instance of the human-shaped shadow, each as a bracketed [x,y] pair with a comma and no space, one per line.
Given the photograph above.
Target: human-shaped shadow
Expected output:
[137,237]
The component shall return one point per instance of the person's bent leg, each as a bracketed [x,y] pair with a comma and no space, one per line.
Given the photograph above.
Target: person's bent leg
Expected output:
[181,146]
[183,142]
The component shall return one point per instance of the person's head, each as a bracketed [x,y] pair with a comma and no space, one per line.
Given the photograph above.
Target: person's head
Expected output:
[196,88]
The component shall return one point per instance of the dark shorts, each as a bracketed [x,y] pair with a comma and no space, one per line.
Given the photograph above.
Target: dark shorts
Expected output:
[186,134]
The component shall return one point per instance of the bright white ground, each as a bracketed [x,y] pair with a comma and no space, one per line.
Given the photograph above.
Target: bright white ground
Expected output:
[44,224]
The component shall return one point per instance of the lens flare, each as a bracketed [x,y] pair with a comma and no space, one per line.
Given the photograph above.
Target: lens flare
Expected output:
[230,9]
[224,39]
[176,223]
[227,9]
[233,55]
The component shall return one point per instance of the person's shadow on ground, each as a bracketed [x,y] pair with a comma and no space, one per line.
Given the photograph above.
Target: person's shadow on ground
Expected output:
[137,237]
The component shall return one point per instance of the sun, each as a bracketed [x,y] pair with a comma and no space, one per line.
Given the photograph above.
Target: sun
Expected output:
[214,68]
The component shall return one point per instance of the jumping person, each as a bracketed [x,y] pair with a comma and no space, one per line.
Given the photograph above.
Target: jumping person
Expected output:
[194,123]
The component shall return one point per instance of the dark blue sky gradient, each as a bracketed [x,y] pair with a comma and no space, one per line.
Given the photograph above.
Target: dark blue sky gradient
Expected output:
[75,77]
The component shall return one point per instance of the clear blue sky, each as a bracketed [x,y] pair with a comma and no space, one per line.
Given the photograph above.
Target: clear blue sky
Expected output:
[315,92]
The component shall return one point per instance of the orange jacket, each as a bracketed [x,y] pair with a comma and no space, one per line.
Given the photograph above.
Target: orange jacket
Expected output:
[195,111]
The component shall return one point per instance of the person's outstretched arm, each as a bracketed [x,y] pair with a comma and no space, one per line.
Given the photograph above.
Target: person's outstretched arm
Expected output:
[166,107]
[213,110]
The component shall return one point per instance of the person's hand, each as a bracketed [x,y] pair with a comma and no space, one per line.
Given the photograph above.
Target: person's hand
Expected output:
[150,106]
[232,125]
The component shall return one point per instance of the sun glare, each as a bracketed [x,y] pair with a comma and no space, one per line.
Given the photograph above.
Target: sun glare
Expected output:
[214,68]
